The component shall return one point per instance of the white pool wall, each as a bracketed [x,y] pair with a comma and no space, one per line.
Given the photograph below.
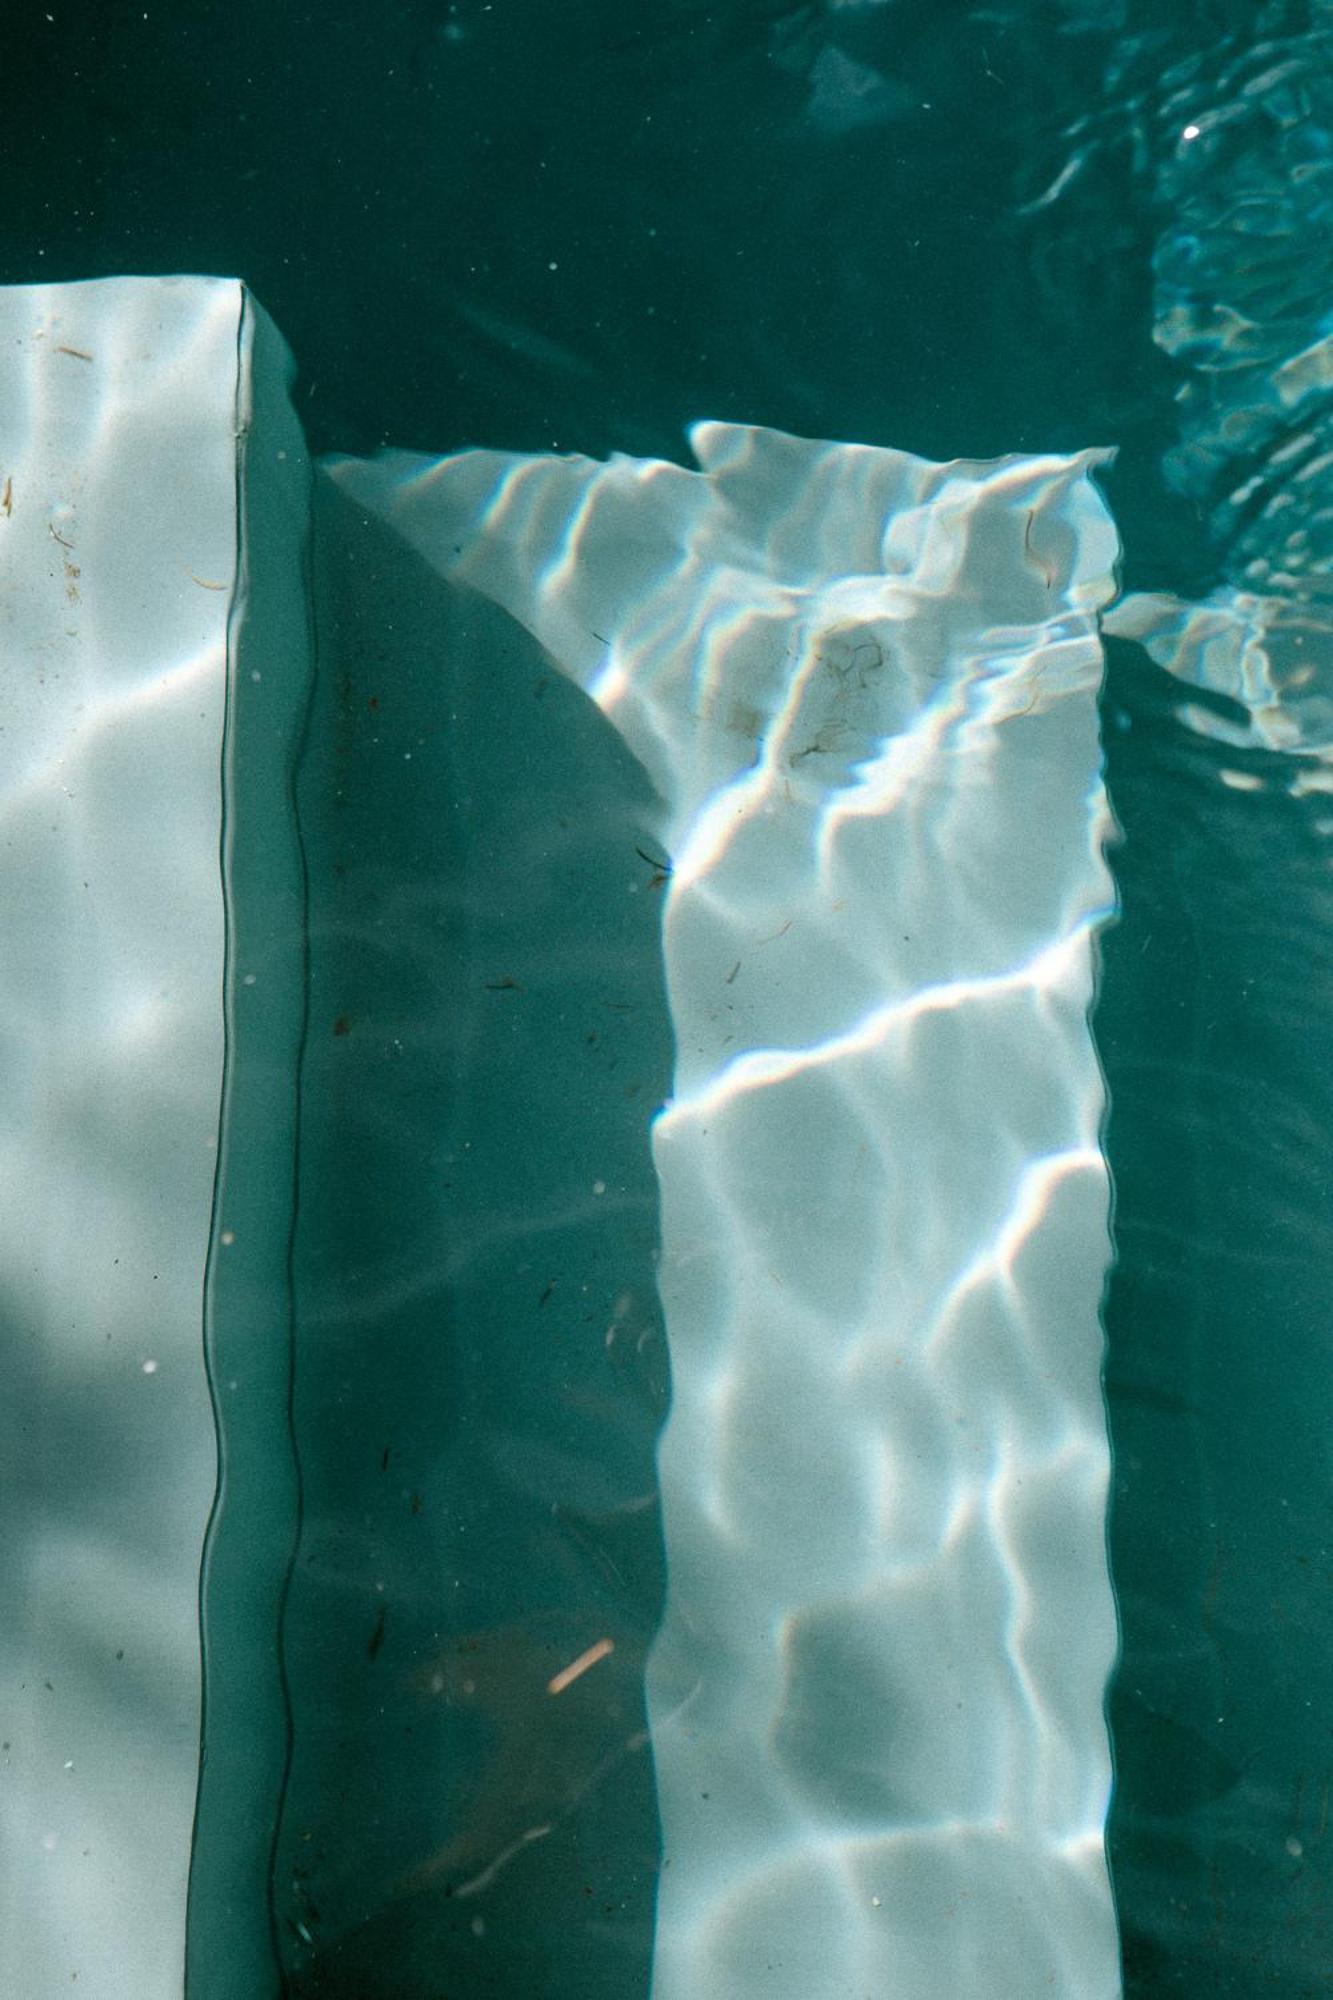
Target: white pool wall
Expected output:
[154,617]
[865,688]
[118,551]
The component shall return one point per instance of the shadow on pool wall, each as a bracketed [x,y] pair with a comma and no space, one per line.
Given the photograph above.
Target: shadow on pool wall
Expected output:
[480,1366]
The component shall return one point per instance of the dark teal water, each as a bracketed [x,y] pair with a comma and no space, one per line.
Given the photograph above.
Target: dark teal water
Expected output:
[530,226]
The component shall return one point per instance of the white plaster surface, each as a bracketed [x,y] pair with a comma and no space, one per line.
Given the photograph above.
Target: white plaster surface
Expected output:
[118,404]
[864,687]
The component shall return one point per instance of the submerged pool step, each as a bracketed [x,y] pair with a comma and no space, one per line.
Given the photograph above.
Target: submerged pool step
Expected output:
[146,554]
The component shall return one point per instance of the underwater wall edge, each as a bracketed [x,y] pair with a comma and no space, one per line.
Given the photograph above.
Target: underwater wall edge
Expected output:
[231,1943]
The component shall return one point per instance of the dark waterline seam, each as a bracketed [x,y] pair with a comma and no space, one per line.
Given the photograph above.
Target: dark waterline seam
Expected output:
[235,613]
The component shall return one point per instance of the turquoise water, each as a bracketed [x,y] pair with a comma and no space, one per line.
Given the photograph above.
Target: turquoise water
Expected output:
[957,232]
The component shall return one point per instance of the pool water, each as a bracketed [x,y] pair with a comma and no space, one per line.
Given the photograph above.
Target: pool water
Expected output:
[1035,227]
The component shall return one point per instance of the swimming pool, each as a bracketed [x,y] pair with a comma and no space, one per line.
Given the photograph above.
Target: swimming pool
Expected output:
[535,1241]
